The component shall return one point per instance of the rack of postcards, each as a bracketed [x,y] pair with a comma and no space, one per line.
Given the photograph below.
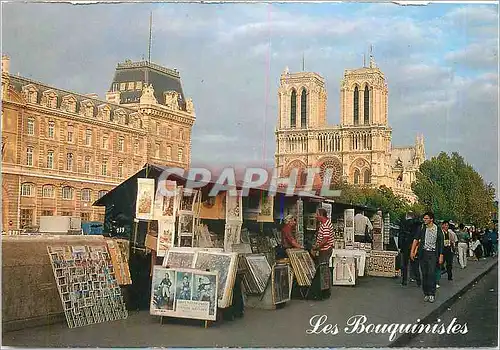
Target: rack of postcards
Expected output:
[87,284]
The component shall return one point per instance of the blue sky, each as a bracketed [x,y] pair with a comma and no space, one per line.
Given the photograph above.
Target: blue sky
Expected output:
[440,62]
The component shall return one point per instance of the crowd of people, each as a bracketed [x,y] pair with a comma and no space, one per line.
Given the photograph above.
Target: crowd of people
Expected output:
[428,250]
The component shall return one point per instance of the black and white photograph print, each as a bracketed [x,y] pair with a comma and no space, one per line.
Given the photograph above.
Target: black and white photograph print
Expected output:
[205,289]
[215,262]
[184,285]
[186,223]
[177,259]
[163,288]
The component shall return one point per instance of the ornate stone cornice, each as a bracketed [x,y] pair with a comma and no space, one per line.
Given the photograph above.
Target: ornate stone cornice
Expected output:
[158,111]
[75,117]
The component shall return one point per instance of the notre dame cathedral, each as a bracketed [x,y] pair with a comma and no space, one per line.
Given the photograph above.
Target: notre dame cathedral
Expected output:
[359,150]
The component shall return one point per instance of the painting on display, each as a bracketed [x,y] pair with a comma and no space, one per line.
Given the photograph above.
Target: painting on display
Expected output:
[165,205]
[87,284]
[266,207]
[260,269]
[177,258]
[166,233]
[145,199]
[232,233]
[188,201]
[344,271]
[226,264]
[234,211]
[186,222]
[185,293]
[281,283]
[349,218]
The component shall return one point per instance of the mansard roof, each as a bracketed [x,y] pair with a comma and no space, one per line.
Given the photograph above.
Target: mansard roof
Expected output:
[163,80]
[19,82]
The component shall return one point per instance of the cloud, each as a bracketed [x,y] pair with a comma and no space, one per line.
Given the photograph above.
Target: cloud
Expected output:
[440,63]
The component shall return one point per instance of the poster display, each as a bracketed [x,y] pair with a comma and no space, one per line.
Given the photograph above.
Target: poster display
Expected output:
[144,206]
[232,234]
[166,233]
[179,258]
[234,207]
[226,264]
[120,261]
[166,206]
[281,283]
[87,284]
[266,208]
[349,226]
[303,266]
[185,293]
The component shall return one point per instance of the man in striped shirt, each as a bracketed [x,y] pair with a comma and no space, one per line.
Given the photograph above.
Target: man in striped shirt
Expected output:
[324,237]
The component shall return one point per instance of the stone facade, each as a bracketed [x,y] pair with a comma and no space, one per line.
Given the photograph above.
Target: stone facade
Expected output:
[62,150]
[359,150]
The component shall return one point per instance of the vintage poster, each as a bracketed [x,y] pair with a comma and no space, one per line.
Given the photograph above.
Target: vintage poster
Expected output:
[165,201]
[344,271]
[188,199]
[185,293]
[226,264]
[145,199]
[232,234]
[260,269]
[186,224]
[349,218]
[166,235]
[266,208]
[234,207]
[177,258]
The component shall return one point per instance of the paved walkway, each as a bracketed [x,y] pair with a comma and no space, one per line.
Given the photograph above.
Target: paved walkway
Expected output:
[381,300]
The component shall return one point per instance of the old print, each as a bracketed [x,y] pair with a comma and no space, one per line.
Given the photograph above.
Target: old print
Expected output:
[145,199]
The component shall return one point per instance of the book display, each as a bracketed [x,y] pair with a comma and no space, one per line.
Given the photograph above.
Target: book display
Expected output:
[184,293]
[87,284]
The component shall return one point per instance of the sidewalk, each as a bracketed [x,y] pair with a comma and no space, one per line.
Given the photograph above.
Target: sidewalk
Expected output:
[381,300]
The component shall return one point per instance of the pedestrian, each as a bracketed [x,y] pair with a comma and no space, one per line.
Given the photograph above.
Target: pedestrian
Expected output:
[463,238]
[409,228]
[428,245]
[324,238]
[448,248]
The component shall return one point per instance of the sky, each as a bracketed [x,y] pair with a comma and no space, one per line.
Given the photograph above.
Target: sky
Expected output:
[440,62]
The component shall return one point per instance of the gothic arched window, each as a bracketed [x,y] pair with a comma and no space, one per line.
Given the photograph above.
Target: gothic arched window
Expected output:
[356,106]
[356,176]
[303,109]
[367,105]
[293,109]
[367,176]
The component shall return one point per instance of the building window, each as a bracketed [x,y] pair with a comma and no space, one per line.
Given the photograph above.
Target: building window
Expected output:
[69,162]
[50,159]
[86,195]
[85,216]
[136,147]
[102,194]
[67,193]
[181,134]
[26,218]
[131,85]
[115,87]
[121,144]
[47,213]
[123,86]
[70,133]
[66,213]
[27,190]
[88,137]
[356,106]
[303,109]
[367,176]
[48,191]
[138,85]
[367,105]
[180,155]
[86,165]
[50,130]
[89,110]
[105,140]
[169,132]
[30,129]
[29,156]
[169,152]
[356,176]
[120,169]
[293,109]
[157,150]
[104,167]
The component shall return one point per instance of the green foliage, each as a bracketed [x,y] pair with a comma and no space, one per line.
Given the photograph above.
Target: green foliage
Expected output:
[453,190]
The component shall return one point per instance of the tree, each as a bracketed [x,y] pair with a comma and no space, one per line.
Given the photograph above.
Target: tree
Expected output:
[453,190]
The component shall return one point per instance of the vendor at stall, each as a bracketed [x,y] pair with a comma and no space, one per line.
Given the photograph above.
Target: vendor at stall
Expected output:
[287,238]
[323,247]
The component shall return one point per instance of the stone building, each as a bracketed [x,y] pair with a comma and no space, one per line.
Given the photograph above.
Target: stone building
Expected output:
[62,150]
[359,150]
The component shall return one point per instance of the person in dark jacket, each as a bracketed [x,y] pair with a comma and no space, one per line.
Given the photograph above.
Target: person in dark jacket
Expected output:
[409,228]
[428,246]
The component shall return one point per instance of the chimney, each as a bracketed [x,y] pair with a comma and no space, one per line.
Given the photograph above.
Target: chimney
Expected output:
[5,64]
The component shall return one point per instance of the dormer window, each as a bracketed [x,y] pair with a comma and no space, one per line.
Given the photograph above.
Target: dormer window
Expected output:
[89,110]
[33,96]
